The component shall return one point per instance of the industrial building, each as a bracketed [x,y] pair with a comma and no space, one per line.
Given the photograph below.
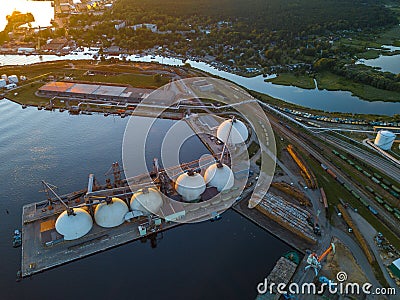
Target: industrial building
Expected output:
[384,139]
[106,92]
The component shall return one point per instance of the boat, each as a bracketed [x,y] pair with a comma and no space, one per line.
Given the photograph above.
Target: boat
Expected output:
[17,239]
[292,256]
[18,276]
[24,106]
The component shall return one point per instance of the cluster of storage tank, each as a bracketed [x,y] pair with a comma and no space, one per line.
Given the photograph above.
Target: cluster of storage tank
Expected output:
[191,185]
[75,223]
[12,79]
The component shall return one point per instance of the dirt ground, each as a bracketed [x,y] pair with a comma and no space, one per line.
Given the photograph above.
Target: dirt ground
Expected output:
[343,261]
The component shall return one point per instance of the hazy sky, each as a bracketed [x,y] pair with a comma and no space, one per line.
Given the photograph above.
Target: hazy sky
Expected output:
[41,10]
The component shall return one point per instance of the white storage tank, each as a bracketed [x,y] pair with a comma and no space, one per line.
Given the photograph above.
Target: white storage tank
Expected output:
[146,200]
[111,214]
[74,224]
[384,139]
[3,83]
[13,79]
[235,129]
[190,186]
[219,176]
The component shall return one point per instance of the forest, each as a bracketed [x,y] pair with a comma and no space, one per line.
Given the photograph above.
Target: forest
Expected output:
[266,15]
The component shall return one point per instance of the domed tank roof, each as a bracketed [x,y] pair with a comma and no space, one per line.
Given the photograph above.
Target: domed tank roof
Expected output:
[74,226]
[111,214]
[146,200]
[190,186]
[238,134]
[220,176]
[384,139]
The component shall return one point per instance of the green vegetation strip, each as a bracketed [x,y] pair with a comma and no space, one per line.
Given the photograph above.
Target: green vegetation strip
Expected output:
[301,81]
[332,82]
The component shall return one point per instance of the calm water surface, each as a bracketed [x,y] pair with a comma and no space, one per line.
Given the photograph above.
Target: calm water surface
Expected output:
[390,63]
[224,259]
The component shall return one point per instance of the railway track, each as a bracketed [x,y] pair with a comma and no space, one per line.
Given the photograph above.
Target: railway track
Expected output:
[384,216]
[377,162]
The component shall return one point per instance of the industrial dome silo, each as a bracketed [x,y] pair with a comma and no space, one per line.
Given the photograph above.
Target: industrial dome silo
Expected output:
[220,176]
[190,186]
[13,79]
[146,200]
[75,224]
[384,139]
[111,214]
[235,129]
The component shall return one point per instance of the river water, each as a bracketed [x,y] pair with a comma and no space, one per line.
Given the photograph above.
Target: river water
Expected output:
[224,259]
[387,63]
[331,101]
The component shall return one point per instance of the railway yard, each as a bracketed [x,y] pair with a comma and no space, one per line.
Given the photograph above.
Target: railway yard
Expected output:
[325,186]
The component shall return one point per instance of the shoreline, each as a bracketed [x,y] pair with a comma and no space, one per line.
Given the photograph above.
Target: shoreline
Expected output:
[54,66]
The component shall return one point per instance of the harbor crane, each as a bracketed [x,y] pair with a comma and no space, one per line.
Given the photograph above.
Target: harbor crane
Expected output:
[314,261]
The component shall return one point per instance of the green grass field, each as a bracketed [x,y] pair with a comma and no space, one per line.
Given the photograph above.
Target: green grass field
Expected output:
[370,54]
[78,70]
[302,81]
[26,95]
[332,82]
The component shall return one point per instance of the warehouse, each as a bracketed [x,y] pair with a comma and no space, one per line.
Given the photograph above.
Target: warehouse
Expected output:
[93,91]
